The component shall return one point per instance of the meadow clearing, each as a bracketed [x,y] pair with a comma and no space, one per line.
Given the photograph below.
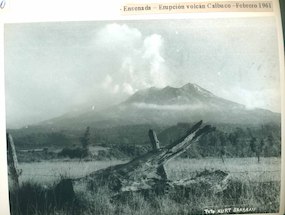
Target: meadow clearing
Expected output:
[243,168]
[254,186]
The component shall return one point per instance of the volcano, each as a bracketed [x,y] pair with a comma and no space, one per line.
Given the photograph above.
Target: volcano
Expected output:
[168,106]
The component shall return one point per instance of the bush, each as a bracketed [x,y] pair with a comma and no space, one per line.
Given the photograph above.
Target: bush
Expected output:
[131,151]
[35,156]
[33,198]
[74,153]
[122,152]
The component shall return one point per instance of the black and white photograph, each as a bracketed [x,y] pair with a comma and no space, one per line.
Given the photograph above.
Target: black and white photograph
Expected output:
[161,116]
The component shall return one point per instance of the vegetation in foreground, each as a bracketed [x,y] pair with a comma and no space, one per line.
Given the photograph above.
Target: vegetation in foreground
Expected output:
[263,196]
[33,198]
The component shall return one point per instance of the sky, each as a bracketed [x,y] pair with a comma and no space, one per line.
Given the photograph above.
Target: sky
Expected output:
[55,68]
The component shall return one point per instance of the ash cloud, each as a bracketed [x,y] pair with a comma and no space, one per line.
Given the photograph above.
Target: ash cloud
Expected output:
[139,59]
[55,68]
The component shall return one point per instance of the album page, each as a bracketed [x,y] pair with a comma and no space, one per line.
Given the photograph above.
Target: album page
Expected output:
[141,107]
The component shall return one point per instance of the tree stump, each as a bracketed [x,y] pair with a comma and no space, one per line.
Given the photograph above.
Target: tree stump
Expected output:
[146,173]
[156,147]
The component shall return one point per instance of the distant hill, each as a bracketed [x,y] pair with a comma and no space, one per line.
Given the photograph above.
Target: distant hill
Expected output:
[168,106]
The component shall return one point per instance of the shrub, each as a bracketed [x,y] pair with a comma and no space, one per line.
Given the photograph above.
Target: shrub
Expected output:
[34,156]
[33,198]
[131,151]
[74,153]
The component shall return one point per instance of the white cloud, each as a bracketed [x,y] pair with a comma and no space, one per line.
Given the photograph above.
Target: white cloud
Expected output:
[114,36]
[127,88]
[115,89]
[169,107]
[262,98]
[108,85]
[107,82]
[133,61]
[152,54]
[152,45]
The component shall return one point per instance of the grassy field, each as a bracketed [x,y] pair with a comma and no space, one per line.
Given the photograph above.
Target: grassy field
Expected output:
[254,185]
[243,168]
[47,172]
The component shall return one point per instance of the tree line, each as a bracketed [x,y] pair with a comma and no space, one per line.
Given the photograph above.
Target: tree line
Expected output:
[129,142]
[264,141]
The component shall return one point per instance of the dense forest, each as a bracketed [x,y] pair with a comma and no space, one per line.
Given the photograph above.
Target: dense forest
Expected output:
[228,140]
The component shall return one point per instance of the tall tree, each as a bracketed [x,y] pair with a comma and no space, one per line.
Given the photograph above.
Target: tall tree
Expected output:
[85,139]
[254,148]
[222,146]
[260,149]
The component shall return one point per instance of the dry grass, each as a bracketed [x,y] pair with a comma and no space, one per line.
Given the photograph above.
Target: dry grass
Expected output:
[267,170]
[49,171]
[251,186]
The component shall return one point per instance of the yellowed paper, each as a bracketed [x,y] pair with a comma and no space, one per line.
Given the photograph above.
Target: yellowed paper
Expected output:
[197,7]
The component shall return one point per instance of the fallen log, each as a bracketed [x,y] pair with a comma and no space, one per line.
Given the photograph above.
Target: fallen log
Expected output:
[147,173]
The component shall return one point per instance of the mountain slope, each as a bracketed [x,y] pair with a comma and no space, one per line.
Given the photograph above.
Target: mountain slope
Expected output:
[169,106]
